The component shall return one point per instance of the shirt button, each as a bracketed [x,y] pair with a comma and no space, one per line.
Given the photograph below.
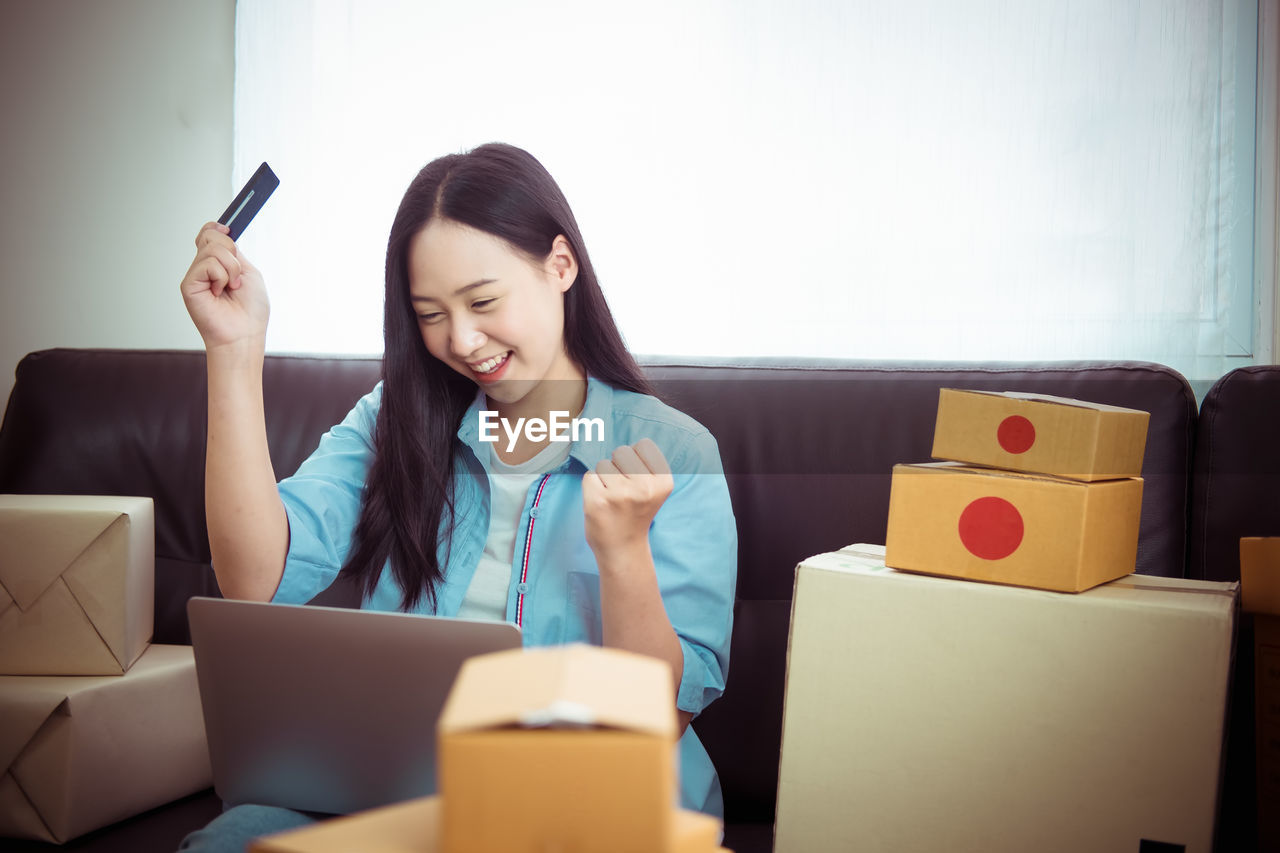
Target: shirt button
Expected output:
[522,588]
[533,513]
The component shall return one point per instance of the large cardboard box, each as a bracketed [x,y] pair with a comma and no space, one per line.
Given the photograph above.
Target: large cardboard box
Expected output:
[1040,433]
[1006,527]
[1260,574]
[414,827]
[924,713]
[570,748]
[77,583]
[83,752]
[1260,597]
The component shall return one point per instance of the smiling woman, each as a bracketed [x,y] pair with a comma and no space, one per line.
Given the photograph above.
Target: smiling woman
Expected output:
[621,535]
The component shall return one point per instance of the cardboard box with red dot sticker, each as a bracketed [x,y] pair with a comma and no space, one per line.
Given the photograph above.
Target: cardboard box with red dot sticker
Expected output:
[1040,434]
[985,524]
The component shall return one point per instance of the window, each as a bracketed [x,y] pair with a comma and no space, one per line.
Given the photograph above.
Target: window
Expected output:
[924,179]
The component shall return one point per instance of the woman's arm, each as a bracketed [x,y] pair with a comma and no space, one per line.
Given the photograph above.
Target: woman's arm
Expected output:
[248,531]
[635,619]
[620,499]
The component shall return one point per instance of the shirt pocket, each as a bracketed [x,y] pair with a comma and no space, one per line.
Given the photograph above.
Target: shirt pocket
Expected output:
[582,609]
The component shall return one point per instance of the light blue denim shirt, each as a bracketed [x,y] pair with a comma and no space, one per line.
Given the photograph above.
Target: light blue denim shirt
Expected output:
[555,589]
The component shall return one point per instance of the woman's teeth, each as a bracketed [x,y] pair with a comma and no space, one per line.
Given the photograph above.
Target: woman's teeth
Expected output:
[490,365]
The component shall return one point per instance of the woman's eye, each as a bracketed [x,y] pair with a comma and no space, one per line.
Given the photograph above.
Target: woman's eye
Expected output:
[432,317]
[481,304]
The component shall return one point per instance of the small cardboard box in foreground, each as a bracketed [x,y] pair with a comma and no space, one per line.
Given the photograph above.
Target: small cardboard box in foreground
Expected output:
[82,752]
[1260,596]
[1041,434]
[571,747]
[923,713]
[1006,527]
[77,583]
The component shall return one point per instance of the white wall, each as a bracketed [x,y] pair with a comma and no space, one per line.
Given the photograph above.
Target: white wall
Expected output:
[116,146]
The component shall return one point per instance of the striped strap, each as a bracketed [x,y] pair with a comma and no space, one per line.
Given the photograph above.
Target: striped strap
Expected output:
[528,545]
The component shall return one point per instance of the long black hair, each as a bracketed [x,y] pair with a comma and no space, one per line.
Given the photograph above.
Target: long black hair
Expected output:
[407,505]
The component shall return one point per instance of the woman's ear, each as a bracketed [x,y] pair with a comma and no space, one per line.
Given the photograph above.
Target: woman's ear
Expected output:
[561,264]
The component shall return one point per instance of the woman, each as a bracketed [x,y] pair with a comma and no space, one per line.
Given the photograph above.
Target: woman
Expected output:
[439,493]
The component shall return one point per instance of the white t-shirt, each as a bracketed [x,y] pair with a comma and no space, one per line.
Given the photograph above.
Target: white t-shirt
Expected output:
[486,597]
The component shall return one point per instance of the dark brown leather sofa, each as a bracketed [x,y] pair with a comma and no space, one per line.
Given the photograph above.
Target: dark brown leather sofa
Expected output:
[808,447]
[1236,492]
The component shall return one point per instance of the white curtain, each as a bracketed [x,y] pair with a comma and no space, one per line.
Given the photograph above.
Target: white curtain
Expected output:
[924,179]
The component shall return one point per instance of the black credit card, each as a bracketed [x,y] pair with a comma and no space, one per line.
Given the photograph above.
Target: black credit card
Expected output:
[240,212]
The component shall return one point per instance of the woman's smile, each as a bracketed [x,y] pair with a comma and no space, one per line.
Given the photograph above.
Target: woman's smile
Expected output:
[491,369]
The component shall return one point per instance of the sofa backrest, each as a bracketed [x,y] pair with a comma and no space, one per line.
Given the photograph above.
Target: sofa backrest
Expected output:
[808,448]
[1236,481]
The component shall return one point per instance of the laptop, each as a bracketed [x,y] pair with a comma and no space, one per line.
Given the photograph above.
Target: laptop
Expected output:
[324,709]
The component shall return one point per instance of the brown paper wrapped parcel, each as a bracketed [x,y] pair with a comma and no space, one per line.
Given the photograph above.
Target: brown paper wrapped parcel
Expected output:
[82,752]
[77,583]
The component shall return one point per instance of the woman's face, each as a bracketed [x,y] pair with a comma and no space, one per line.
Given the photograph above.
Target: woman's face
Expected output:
[489,311]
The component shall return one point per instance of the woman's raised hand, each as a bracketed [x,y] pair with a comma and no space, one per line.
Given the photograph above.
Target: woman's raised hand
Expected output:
[621,497]
[224,293]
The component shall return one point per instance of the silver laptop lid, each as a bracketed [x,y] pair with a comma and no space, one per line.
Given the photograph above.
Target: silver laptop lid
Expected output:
[327,709]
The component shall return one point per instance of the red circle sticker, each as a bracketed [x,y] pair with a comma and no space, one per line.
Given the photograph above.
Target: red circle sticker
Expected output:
[991,528]
[1016,434]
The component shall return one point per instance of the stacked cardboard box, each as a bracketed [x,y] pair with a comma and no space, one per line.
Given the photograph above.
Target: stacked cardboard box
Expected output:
[98,724]
[77,583]
[562,748]
[923,712]
[1037,491]
[926,713]
[1260,596]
